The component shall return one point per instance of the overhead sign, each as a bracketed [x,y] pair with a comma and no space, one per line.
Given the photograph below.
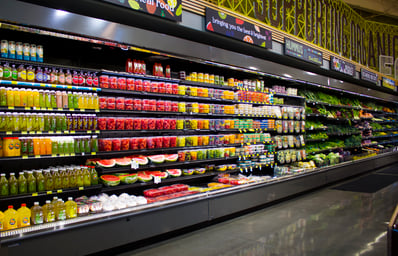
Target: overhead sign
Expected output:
[303,52]
[169,9]
[230,26]
[388,83]
[369,76]
[342,66]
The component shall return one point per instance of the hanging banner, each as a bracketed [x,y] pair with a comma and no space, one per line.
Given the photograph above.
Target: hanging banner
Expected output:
[168,9]
[369,76]
[230,26]
[302,52]
[388,83]
[342,66]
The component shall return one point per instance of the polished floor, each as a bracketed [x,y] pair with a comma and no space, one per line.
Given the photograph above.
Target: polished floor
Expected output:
[324,222]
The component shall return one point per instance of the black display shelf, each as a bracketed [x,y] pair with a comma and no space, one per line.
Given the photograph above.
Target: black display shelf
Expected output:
[118,133]
[138,76]
[51,110]
[387,142]
[334,134]
[380,137]
[333,149]
[50,133]
[208,85]
[47,86]
[385,121]
[289,96]
[44,157]
[316,115]
[245,130]
[315,140]
[167,181]
[288,105]
[331,105]
[164,165]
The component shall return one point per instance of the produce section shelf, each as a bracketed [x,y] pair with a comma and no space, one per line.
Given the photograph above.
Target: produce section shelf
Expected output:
[289,96]
[380,137]
[59,110]
[314,140]
[165,165]
[343,134]
[49,86]
[315,115]
[333,149]
[331,105]
[316,129]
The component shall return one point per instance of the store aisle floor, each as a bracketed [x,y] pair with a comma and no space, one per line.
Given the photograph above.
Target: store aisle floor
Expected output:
[325,222]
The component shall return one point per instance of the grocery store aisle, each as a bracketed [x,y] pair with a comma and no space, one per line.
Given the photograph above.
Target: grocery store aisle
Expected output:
[325,222]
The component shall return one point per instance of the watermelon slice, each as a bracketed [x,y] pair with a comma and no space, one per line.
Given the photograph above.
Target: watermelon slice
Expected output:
[92,161]
[174,172]
[107,163]
[123,161]
[162,175]
[157,159]
[110,180]
[171,157]
[209,26]
[143,177]
[129,178]
[141,160]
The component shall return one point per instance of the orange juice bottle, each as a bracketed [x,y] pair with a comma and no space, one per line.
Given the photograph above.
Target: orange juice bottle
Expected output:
[24,98]
[17,97]
[43,146]
[23,216]
[48,146]
[10,218]
[36,146]
[1,221]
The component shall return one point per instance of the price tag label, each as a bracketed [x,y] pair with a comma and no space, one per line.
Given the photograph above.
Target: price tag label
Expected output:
[157,180]
[37,156]
[27,108]
[58,132]
[14,82]
[73,154]
[50,132]
[97,131]
[134,165]
[24,157]
[59,191]
[10,107]
[38,132]
[81,188]
[97,110]
[82,110]
[66,132]
[72,132]
[34,194]
[60,109]
[89,132]
[71,109]
[24,132]
[8,133]
[54,155]
[50,109]
[49,192]
[93,153]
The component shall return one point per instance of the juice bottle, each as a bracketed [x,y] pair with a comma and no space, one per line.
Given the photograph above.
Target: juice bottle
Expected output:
[71,208]
[10,97]
[86,177]
[80,100]
[65,100]
[24,97]
[94,176]
[21,73]
[39,75]
[42,100]
[15,117]
[60,210]
[36,98]
[40,181]
[61,77]
[29,122]
[13,184]
[35,122]
[30,74]
[57,179]
[3,96]
[46,75]
[7,72]
[14,73]
[54,76]
[4,186]
[17,97]
[48,212]
[96,101]
[41,122]
[24,215]
[1,71]
[79,177]
[54,202]
[29,94]
[72,178]
[32,182]
[49,181]
[10,218]
[53,99]
[48,146]
[1,221]
[47,98]
[36,216]
[65,178]
[22,183]
[68,77]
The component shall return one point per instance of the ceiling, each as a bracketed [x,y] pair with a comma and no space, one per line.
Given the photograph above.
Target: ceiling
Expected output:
[385,11]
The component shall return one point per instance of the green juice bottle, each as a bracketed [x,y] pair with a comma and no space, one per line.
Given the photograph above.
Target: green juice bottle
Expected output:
[57,179]
[49,181]
[22,183]
[65,178]
[32,182]
[40,181]
[4,187]
[94,176]
[13,184]
[79,177]
[72,178]
[86,177]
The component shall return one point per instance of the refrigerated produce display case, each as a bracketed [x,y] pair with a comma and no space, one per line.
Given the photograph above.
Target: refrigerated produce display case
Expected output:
[146,136]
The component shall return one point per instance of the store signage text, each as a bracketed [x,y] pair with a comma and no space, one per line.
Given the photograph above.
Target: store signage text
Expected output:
[303,52]
[169,9]
[230,26]
[388,83]
[342,66]
[369,76]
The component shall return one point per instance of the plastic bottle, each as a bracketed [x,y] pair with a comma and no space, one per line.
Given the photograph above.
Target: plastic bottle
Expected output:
[68,77]
[1,221]
[36,216]
[54,201]
[40,181]
[14,73]
[49,181]
[7,72]
[57,179]
[71,208]
[10,218]
[72,178]
[94,176]
[61,77]
[21,73]
[24,215]
[79,178]
[22,183]
[13,184]
[48,212]
[65,178]
[86,177]
[60,210]
[32,182]
[30,74]
[4,186]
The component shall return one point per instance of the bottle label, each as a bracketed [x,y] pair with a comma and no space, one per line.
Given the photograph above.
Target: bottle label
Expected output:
[81,80]
[61,79]
[50,217]
[62,215]
[31,76]
[39,77]
[95,81]
[89,81]
[75,79]
[25,221]
[12,222]
[38,218]
[68,79]
[7,73]
[22,75]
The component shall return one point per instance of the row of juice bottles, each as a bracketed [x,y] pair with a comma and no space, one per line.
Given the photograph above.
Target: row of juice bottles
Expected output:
[15,122]
[47,180]
[20,97]
[55,210]
[36,146]
[47,75]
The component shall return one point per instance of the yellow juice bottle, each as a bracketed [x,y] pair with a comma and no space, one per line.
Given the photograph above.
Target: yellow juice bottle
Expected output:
[60,210]
[10,97]
[23,216]
[17,97]
[24,97]
[48,212]
[36,214]
[22,122]
[80,101]
[10,218]
[71,208]
[36,98]
[96,101]
[29,95]
[1,221]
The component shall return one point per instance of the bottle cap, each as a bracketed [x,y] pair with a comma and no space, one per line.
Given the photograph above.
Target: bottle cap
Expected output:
[48,201]
[10,207]
[23,205]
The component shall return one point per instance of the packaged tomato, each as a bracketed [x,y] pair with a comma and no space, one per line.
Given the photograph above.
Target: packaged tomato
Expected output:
[165,142]
[161,87]
[151,143]
[121,83]
[134,144]
[145,105]
[137,104]
[116,144]
[159,124]
[110,123]
[128,103]
[128,124]
[166,124]
[144,123]
[174,106]
[137,124]
[154,87]
[152,105]
[175,88]
[169,88]
[130,84]
[125,144]
[142,143]
[173,141]
[158,142]
[138,85]
[105,145]
[120,103]
[160,105]
[104,81]
[120,124]
[102,123]
[181,156]
[167,106]
[147,86]
[103,102]
[113,82]
[110,102]
[151,124]
[173,124]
